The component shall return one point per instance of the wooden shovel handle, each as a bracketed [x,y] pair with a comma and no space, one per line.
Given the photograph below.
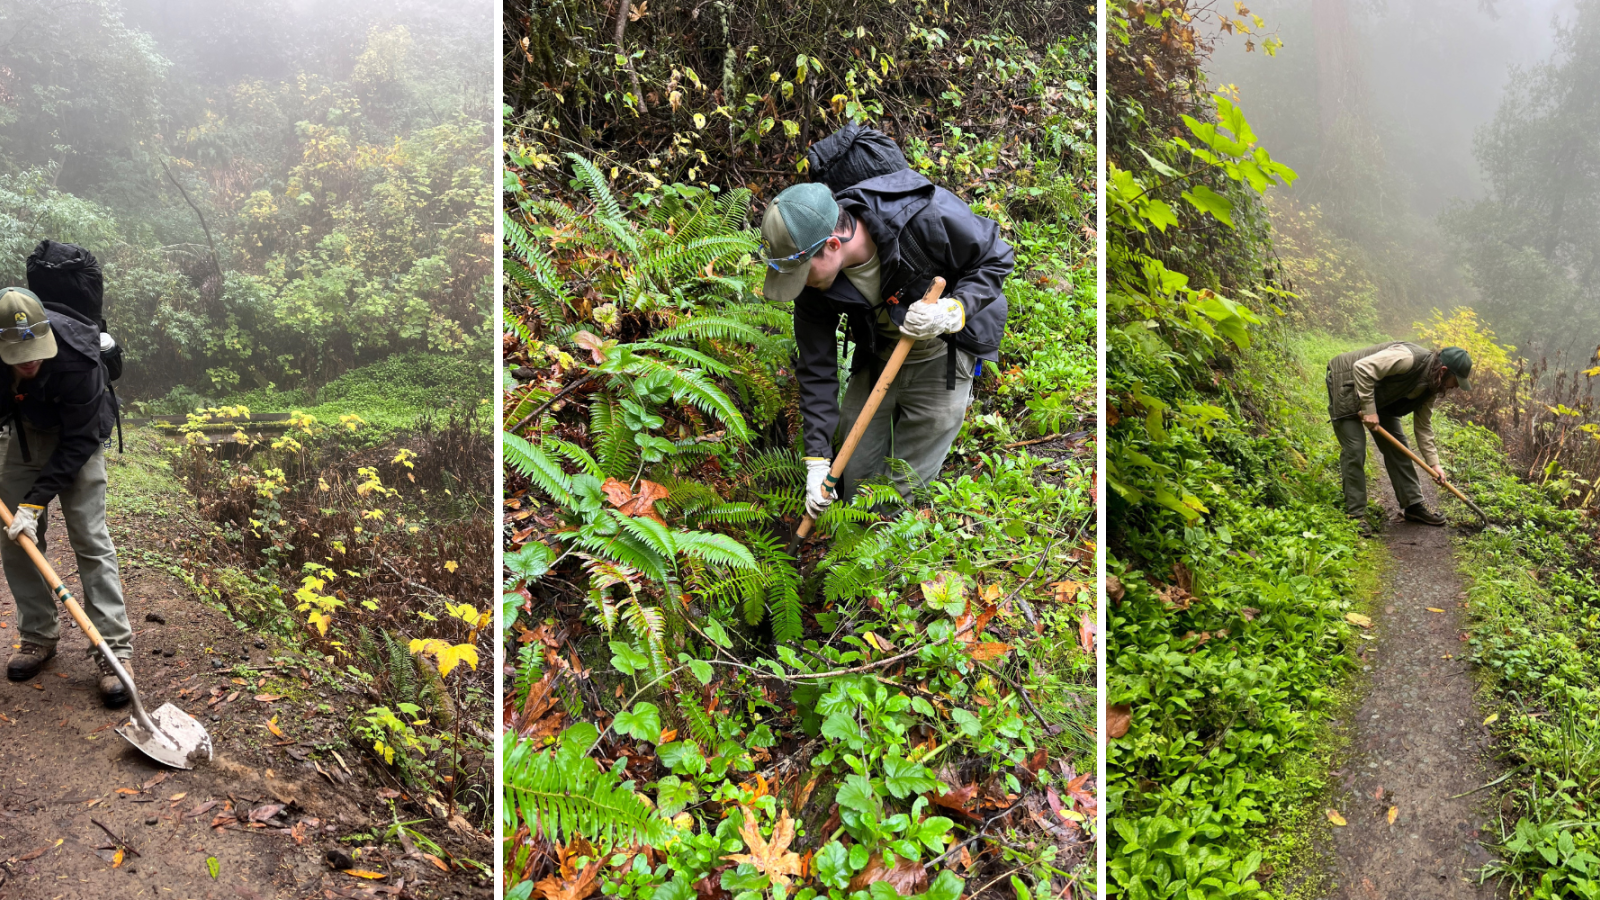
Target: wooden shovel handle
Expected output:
[1378,429]
[54,580]
[879,390]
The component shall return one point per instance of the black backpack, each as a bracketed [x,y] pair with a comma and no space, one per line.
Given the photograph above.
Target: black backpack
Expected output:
[851,155]
[67,278]
[67,275]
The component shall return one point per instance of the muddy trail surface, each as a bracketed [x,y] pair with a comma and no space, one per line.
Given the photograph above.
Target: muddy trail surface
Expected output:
[1417,744]
[84,815]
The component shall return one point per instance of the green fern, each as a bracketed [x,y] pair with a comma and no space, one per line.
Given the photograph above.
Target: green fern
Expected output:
[565,793]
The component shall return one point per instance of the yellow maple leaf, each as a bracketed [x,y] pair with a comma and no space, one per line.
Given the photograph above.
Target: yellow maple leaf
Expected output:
[772,858]
[452,566]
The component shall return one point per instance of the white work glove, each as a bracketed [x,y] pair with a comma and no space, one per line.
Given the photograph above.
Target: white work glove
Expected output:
[929,320]
[818,496]
[26,521]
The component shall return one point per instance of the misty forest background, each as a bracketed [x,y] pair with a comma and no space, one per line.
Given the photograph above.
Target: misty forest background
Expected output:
[1288,181]
[292,202]
[279,192]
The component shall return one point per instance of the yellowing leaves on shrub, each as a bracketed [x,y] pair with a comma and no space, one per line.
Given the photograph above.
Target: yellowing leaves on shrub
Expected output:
[321,620]
[469,614]
[445,654]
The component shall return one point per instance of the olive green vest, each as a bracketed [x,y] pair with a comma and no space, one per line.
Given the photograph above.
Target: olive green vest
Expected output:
[1391,395]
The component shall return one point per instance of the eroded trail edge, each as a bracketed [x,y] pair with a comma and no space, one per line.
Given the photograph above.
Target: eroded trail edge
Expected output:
[1417,742]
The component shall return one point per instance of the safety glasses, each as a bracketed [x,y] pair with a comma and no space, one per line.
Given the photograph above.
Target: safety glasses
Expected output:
[20,333]
[787,264]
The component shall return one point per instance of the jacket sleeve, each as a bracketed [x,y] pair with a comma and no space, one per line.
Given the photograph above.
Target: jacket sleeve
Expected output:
[81,404]
[817,371]
[973,257]
[1422,427]
[1372,369]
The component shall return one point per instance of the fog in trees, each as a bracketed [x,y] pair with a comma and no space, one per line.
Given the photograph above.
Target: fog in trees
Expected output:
[280,190]
[1448,156]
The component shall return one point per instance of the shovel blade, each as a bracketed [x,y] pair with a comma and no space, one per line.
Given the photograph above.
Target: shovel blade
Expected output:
[179,740]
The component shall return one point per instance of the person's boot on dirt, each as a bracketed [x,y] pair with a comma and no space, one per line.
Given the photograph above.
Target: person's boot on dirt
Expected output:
[1377,386]
[889,236]
[60,411]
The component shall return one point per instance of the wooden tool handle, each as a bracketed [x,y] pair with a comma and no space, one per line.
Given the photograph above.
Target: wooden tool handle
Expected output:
[54,580]
[879,390]
[1418,460]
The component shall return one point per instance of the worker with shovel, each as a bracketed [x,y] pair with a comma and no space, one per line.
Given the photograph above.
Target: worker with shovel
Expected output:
[60,413]
[1372,388]
[891,237]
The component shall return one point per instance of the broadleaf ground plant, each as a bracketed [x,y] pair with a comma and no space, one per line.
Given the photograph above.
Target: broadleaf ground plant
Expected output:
[694,705]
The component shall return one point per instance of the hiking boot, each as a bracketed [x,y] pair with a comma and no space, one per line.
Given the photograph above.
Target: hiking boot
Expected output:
[113,693]
[28,660]
[1363,527]
[1419,512]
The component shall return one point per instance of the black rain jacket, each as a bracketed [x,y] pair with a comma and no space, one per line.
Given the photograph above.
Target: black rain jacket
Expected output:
[922,232]
[70,395]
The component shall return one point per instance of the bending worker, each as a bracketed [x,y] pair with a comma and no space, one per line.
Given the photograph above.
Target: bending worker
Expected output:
[60,411]
[1378,385]
[889,236]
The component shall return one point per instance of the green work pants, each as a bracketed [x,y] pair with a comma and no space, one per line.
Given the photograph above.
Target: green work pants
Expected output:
[83,507]
[1353,464]
[917,421]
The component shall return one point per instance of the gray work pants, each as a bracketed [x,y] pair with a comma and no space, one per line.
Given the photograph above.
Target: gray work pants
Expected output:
[1353,464]
[917,421]
[83,507]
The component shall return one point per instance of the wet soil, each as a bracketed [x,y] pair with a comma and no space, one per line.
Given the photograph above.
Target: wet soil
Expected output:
[256,822]
[1417,742]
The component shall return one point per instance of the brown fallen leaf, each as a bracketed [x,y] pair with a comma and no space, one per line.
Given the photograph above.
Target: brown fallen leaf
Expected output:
[154,781]
[772,858]
[1118,719]
[906,877]
[443,866]
[1085,632]
[569,883]
[268,698]
[1114,588]
[988,651]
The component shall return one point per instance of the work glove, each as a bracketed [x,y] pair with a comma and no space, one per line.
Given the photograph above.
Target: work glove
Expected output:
[929,320]
[26,521]
[818,496]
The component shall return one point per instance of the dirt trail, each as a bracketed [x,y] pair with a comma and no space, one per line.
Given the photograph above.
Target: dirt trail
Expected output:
[1417,736]
[261,810]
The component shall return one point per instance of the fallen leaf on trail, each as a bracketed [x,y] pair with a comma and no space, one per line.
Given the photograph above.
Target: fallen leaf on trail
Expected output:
[1114,588]
[1118,718]
[264,812]
[154,781]
[443,866]
[129,791]
[986,652]
[1379,794]
[568,883]
[272,726]
[176,797]
[116,861]
[1335,818]
[1067,591]
[451,566]
[958,798]
[1493,718]
[1433,609]
[268,698]
[772,858]
[363,873]
[907,877]
[1394,812]
[1358,619]
[35,854]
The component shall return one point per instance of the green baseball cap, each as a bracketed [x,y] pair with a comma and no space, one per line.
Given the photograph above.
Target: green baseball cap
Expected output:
[25,333]
[1459,362]
[792,230]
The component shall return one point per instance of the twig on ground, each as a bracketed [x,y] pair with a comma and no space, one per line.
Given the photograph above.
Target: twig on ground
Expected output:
[119,841]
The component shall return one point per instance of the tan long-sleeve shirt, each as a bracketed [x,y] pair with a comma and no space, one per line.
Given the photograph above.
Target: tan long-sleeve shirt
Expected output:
[1396,361]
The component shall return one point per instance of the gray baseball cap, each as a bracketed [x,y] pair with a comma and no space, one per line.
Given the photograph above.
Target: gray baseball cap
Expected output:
[25,333]
[792,230]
